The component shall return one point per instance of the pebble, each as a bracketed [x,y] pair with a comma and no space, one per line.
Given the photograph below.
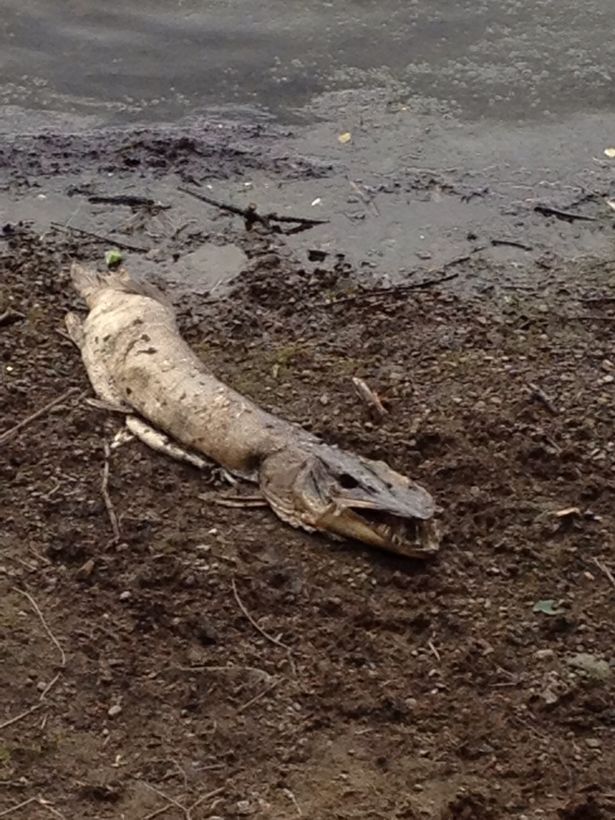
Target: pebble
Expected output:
[114,710]
[544,654]
[124,596]
[594,742]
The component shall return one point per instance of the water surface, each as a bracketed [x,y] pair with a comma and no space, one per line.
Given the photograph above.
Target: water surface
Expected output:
[162,59]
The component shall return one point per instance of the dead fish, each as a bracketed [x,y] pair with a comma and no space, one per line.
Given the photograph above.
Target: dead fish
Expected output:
[138,363]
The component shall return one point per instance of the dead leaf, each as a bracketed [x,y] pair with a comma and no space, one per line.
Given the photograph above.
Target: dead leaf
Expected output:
[610,153]
[611,203]
[547,606]
[347,136]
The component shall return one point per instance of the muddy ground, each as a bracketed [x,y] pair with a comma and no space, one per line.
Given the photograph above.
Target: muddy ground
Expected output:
[479,685]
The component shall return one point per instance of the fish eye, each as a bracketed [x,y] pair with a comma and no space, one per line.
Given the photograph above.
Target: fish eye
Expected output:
[347,482]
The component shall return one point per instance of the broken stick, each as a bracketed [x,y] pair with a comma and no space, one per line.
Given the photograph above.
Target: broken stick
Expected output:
[8,434]
[107,498]
[108,240]
[251,215]
[371,399]
[566,216]
[539,394]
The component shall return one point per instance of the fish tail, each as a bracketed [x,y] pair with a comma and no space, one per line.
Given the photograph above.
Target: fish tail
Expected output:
[89,283]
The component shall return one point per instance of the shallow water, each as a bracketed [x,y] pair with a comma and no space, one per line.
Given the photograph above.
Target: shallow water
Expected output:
[463,114]
[162,59]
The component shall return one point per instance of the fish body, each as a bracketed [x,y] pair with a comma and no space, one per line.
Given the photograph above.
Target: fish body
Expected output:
[138,362]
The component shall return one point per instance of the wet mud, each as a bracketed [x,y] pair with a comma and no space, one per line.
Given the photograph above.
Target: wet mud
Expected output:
[477,685]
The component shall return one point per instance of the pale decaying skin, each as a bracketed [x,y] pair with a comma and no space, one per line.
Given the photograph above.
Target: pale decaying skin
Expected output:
[137,362]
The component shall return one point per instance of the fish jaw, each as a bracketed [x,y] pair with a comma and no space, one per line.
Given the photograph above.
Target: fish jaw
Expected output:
[347,497]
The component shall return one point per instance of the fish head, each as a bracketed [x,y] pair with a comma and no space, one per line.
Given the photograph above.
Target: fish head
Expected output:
[321,488]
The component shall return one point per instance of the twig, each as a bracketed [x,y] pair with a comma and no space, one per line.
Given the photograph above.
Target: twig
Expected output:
[201,799]
[9,316]
[567,216]
[8,434]
[44,803]
[239,501]
[250,214]
[371,399]
[108,240]
[104,487]
[129,200]
[511,243]
[434,650]
[47,805]
[603,568]
[186,810]
[537,393]
[46,627]
[18,806]
[21,715]
[55,678]
[170,800]
[380,293]
[261,631]
[158,812]
[257,697]
[52,638]
[230,669]
[293,800]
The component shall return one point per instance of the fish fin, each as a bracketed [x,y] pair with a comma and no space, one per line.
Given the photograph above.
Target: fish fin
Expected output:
[74,328]
[162,443]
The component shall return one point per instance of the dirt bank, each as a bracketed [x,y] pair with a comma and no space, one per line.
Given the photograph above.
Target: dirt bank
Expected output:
[405,691]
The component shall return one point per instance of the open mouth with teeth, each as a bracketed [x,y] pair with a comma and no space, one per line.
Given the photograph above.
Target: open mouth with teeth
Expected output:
[410,537]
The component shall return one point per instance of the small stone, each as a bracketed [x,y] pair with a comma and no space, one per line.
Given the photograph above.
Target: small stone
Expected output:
[115,710]
[124,596]
[86,570]
[41,686]
[593,666]
[609,379]
[544,654]
[593,742]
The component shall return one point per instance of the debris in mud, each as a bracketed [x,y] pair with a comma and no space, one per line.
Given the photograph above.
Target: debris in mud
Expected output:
[370,399]
[566,216]
[548,606]
[107,240]
[252,216]
[113,258]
